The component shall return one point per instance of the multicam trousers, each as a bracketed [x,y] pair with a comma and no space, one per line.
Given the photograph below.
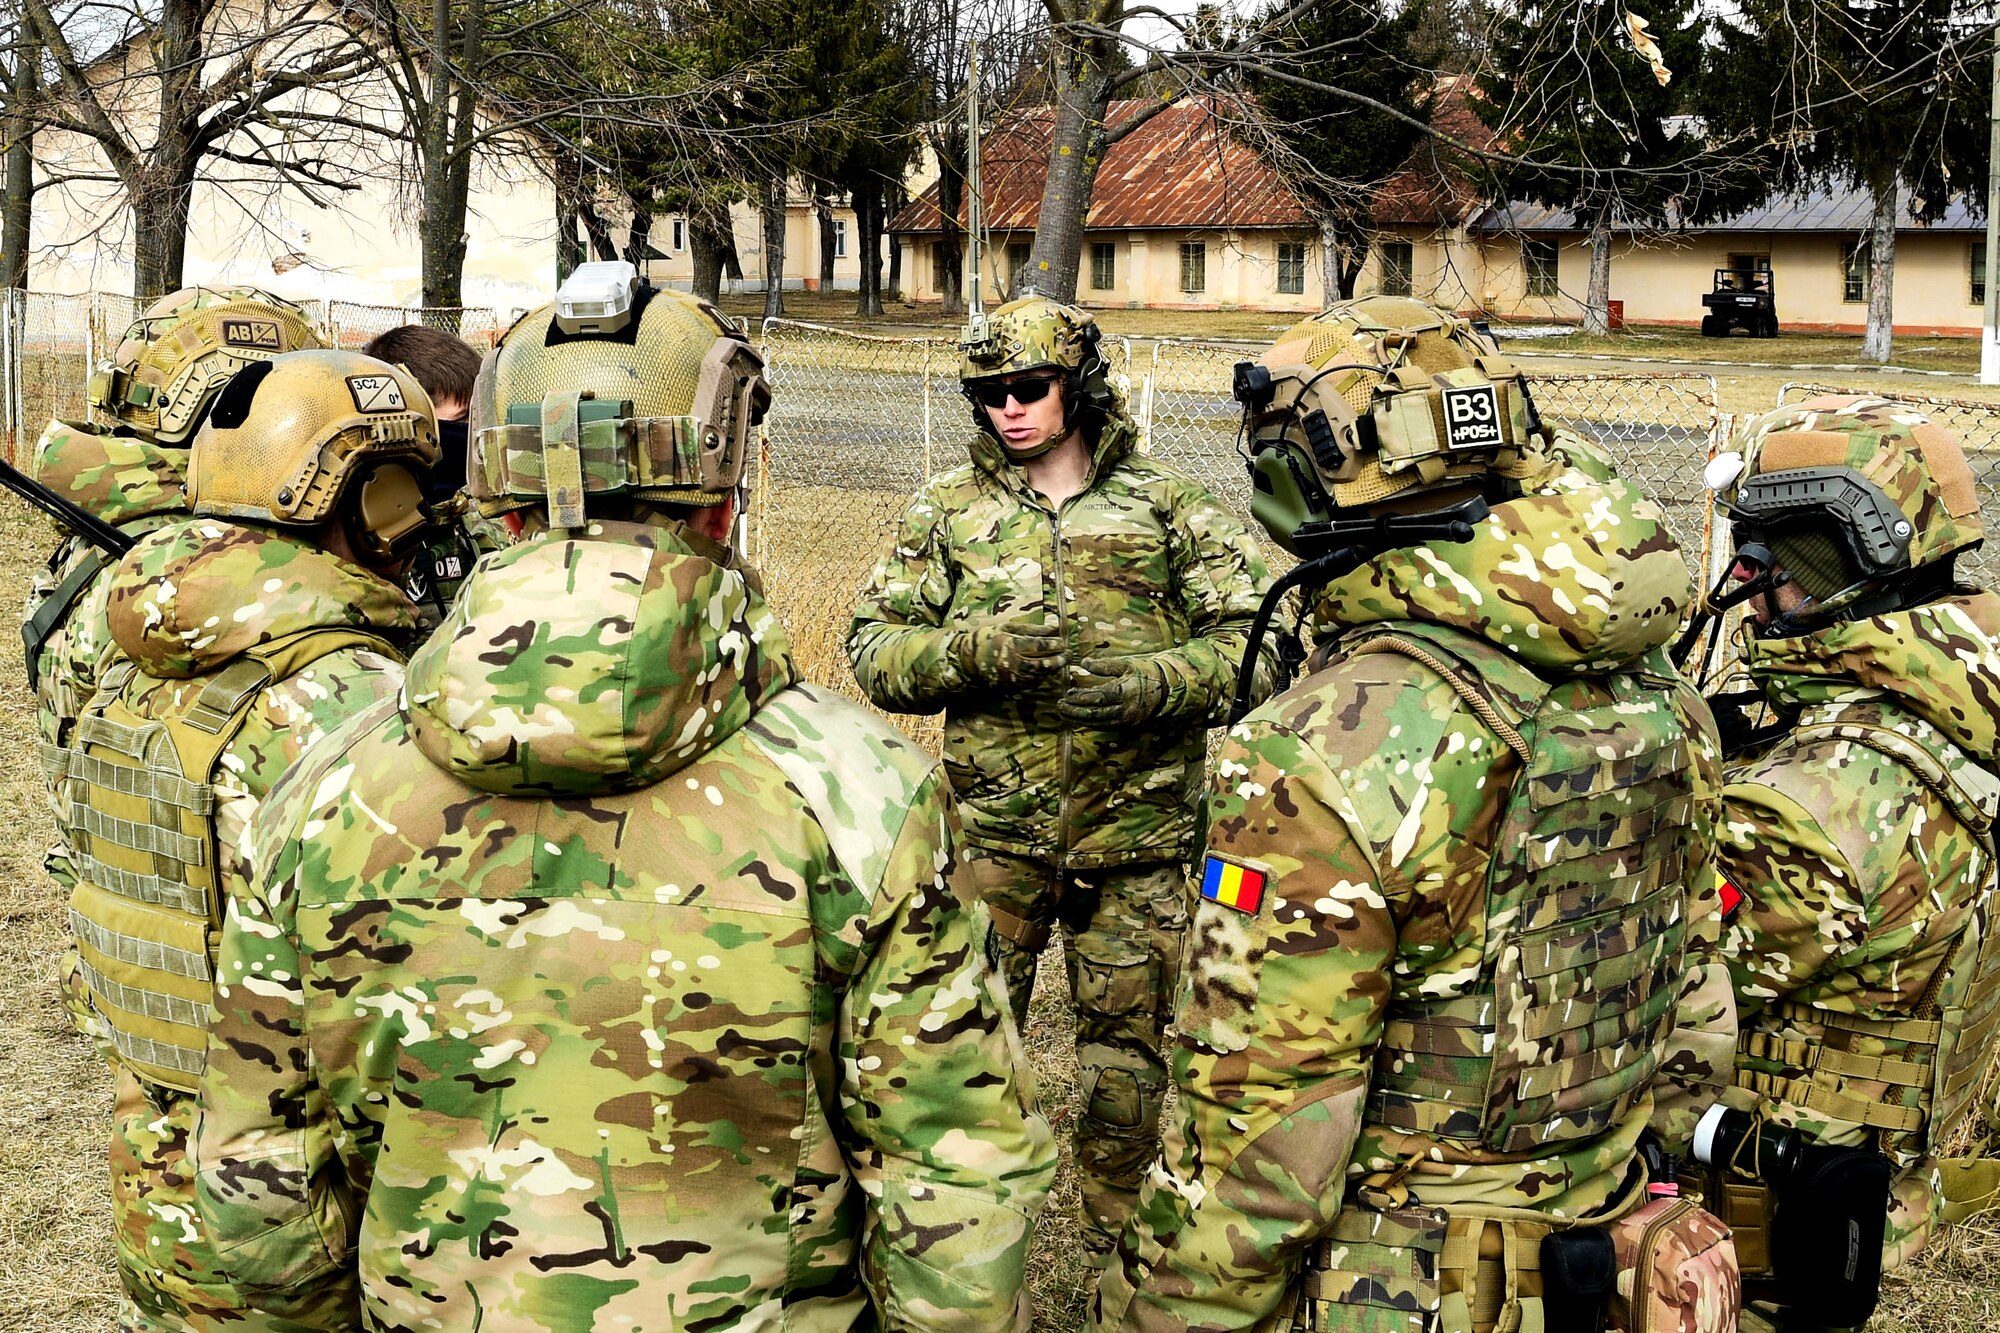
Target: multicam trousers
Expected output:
[1126,928]
[166,1261]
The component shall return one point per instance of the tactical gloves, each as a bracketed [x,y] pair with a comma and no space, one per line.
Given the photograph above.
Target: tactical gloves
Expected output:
[1116,692]
[1008,652]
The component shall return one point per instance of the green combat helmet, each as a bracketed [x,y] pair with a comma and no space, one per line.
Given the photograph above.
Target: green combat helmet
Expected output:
[615,388]
[1378,400]
[290,440]
[176,356]
[1861,502]
[1035,333]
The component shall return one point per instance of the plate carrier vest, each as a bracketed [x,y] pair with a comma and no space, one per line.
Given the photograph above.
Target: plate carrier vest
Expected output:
[147,907]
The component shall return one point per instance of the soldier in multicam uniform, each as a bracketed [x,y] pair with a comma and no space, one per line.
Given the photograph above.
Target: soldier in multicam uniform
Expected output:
[1861,938]
[615,978]
[1439,927]
[241,636]
[154,393]
[1079,612]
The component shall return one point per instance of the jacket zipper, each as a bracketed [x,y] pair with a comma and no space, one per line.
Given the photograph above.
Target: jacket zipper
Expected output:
[1062,626]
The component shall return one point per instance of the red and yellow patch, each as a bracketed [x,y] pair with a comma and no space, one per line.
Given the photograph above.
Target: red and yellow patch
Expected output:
[1232,883]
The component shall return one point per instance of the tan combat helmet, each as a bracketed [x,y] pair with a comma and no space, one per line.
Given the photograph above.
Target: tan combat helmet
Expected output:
[1035,333]
[648,394]
[311,436]
[1861,501]
[1377,400]
[177,356]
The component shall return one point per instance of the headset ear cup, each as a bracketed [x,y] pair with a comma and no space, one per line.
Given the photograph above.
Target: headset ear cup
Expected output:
[387,515]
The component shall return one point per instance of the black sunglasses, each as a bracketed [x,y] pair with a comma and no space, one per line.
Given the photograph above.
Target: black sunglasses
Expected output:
[1023,392]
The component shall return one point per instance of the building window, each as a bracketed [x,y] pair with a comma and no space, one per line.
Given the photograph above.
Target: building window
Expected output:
[1103,266]
[678,235]
[1017,259]
[1397,266]
[1854,272]
[1291,268]
[840,238]
[1978,289]
[1538,267]
[1194,266]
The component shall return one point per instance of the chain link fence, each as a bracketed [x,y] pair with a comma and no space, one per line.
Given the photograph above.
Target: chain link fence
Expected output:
[49,345]
[1978,428]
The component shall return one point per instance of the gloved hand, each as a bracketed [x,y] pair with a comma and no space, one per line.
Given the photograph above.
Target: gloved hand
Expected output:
[1115,692]
[1008,652]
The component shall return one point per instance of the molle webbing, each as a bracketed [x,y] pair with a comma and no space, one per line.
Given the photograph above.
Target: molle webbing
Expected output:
[1586,917]
[1928,1069]
[147,908]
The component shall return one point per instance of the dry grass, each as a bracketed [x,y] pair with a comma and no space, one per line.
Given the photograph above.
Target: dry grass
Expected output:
[55,1247]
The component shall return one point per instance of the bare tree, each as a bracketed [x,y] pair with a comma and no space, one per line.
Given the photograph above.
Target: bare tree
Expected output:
[21,89]
[163,90]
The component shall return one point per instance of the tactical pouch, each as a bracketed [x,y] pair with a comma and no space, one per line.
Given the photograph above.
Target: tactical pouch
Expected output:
[1579,1269]
[1375,1273]
[1826,1239]
[1676,1270]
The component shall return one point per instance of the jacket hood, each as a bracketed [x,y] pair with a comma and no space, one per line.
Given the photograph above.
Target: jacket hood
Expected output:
[574,665]
[1118,438]
[191,596]
[119,478]
[1941,661]
[1582,575]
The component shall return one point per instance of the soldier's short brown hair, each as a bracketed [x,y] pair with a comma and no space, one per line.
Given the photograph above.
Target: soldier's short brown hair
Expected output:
[445,365]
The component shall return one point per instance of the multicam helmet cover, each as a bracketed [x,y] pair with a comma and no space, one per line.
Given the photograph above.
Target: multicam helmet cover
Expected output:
[662,409]
[177,355]
[1849,491]
[1373,400]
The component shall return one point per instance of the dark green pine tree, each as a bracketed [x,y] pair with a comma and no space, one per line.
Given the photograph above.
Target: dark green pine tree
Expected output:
[1594,131]
[1888,97]
[1337,151]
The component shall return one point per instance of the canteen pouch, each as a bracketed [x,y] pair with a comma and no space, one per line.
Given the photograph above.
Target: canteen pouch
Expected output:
[1826,1239]
[1676,1271]
[1579,1269]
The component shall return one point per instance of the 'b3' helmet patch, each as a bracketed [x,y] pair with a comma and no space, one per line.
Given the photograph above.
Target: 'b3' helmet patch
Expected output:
[375,393]
[1472,417]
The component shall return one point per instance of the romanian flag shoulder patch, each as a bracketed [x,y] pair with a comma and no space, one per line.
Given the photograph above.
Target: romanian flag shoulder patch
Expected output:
[1732,897]
[1232,883]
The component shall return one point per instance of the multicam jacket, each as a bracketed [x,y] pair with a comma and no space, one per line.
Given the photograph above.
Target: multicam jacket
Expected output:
[1368,970]
[1142,561]
[616,980]
[132,484]
[1861,846]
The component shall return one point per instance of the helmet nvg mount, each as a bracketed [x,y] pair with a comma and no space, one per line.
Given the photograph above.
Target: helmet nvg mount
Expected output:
[177,356]
[1863,504]
[1373,403]
[1035,333]
[615,388]
[291,439]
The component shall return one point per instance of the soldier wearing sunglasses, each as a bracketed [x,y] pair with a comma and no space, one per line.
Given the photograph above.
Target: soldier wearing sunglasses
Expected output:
[1079,612]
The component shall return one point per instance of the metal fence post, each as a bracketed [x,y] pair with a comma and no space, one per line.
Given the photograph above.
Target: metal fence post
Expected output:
[928,473]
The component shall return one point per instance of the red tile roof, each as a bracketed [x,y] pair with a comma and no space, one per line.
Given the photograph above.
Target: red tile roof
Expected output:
[1434,188]
[1182,168]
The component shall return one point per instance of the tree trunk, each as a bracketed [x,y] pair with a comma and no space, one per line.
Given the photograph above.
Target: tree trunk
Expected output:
[868,222]
[823,216]
[1335,285]
[894,204]
[772,206]
[602,247]
[159,229]
[1878,341]
[17,210]
[1077,148]
[445,147]
[639,239]
[949,271]
[705,247]
[1597,298]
